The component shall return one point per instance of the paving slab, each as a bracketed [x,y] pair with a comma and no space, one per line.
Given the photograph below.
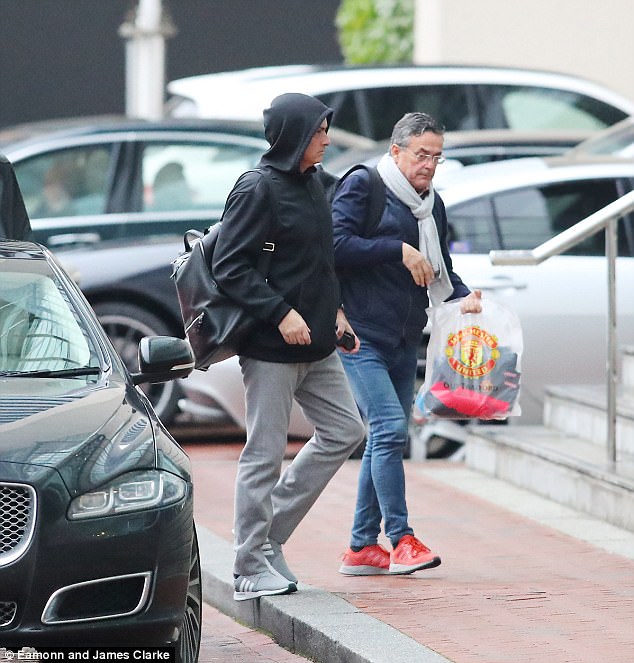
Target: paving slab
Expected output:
[522,580]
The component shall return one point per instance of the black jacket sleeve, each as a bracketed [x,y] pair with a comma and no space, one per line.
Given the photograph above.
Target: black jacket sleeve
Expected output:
[248,222]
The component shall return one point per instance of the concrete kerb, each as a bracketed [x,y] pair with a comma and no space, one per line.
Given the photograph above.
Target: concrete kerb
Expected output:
[312,622]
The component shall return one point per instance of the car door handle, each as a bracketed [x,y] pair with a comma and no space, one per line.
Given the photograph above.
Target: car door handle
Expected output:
[498,283]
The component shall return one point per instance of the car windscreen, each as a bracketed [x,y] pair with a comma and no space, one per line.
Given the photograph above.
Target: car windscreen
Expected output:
[40,330]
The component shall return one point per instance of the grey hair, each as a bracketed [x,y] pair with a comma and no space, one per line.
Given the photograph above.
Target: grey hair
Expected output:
[414,124]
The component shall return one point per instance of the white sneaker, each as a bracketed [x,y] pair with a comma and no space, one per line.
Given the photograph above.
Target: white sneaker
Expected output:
[275,558]
[261,584]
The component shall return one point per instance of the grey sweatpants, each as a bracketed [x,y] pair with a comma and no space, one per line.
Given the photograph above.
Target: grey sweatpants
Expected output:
[267,502]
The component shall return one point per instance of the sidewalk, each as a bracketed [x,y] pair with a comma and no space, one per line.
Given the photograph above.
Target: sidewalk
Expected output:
[522,579]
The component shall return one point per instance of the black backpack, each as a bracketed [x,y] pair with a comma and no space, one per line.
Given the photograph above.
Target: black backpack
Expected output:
[376,201]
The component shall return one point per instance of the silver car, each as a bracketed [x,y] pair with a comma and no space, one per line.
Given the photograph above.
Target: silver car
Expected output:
[515,204]
[562,303]
[368,100]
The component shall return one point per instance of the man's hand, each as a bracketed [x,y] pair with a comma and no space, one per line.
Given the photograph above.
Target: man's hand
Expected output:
[344,326]
[420,268]
[294,329]
[472,303]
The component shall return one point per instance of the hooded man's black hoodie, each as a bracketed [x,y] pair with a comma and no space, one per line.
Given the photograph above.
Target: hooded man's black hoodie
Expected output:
[278,203]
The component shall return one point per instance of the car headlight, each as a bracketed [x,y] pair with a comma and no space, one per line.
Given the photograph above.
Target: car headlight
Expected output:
[134,491]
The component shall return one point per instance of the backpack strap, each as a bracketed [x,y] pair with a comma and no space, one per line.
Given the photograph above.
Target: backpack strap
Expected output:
[376,199]
[210,234]
[264,263]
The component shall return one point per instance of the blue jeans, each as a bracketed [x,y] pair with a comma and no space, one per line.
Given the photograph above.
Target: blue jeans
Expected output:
[382,381]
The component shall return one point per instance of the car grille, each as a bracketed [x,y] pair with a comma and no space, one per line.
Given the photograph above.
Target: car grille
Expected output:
[17,520]
[7,612]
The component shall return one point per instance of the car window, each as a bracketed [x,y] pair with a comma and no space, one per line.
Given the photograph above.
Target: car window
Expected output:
[471,228]
[533,108]
[38,329]
[191,176]
[525,218]
[346,114]
[373,112]
[531,216]
[66,182]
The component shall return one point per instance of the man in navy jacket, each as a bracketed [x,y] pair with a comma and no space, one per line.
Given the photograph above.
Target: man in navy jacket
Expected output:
[388,280]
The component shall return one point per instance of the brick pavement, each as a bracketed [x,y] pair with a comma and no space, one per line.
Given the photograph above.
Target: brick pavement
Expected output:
[227,641]
[509,589]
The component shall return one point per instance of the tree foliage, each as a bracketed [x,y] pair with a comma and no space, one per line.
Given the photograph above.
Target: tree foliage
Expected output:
[376,31]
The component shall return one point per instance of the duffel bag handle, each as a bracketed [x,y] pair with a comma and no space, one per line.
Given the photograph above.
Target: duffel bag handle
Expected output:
[190,237]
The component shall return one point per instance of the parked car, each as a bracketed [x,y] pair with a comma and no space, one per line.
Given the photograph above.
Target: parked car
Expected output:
[562,303]
[467,148]
[98,536]
[514,204]
[217,396]
[368,100]
[85,181]
[88,180]
[97,178]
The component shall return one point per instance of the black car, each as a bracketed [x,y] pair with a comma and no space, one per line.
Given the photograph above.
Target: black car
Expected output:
[89,181]
[98,543]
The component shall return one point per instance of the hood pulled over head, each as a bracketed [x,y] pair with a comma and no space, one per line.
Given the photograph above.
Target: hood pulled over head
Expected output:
[289,125]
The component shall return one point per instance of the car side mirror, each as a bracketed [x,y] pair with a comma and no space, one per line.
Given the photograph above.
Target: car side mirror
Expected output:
[163,358]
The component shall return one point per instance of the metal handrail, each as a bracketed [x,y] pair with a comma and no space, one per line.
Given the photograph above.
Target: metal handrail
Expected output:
[605,218]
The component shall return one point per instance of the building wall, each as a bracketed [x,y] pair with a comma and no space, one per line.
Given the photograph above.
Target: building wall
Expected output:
[577,37]
[62,58]
[65,57]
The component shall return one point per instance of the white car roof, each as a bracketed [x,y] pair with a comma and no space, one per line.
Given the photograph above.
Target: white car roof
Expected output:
[245,93]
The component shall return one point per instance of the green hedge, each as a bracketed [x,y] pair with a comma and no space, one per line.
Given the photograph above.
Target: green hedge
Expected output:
[376,31]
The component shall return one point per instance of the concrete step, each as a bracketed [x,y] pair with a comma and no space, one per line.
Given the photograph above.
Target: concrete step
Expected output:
[559,466]
[580,411]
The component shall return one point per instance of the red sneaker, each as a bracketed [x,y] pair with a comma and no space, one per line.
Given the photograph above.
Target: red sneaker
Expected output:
[411,555]
[369,561]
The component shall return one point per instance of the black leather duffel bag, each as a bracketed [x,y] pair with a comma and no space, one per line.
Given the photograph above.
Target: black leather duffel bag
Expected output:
[215,325]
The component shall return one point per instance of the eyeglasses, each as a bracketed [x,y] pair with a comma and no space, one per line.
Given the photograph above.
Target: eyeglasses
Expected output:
[423,156]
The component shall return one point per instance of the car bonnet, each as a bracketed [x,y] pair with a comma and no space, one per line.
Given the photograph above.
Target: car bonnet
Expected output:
[89,432]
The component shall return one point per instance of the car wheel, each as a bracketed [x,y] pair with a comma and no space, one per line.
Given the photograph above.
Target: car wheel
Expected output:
[188,643]
[126,325]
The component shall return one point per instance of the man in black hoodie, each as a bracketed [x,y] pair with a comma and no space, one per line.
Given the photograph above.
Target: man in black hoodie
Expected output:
[291,354]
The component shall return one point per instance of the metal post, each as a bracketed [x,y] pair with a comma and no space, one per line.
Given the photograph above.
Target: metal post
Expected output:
[611,249]
[145,32]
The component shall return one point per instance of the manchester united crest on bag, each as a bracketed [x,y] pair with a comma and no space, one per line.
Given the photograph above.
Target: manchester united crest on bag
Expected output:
[473,363]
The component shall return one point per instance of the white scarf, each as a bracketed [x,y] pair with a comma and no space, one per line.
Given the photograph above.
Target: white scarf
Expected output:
[429,244]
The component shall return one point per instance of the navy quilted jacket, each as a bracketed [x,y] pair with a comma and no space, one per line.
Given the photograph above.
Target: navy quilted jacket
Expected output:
[380,298]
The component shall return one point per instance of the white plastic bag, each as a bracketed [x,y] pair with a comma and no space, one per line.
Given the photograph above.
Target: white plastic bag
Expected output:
[473,363]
